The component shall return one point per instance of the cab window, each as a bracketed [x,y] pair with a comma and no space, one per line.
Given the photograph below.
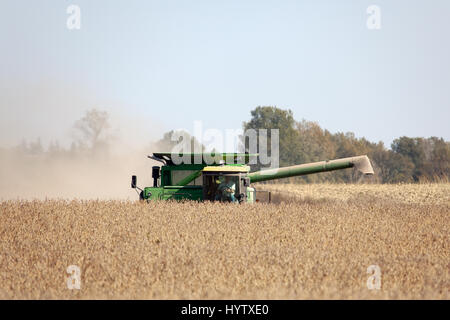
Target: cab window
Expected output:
[178,175]
[223,188]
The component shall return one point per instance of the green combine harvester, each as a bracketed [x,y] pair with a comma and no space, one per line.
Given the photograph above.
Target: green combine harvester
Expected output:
[226,177]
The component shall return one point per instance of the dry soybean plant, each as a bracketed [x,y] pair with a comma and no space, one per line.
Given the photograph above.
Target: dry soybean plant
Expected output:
[317,244]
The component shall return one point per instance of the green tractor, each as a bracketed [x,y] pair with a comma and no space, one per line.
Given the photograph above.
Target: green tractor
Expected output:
[226,177]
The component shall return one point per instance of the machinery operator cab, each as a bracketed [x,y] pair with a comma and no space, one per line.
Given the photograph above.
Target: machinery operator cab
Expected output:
[224,186]
[225,190]
[221,187]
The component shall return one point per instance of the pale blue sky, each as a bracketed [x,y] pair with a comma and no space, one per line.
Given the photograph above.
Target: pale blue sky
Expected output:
[168,63]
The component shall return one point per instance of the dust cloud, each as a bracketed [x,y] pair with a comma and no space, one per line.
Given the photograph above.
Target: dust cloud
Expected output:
[53,146]
[29,172]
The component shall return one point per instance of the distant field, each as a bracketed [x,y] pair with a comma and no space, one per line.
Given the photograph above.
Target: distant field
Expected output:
[399,193]
[315,241]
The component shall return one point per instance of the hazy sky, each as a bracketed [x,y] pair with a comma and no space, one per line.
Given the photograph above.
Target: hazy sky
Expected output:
[165,64]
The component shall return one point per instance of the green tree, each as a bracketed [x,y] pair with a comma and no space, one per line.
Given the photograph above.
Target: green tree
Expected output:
[439,158]
[268,117]
[413,149]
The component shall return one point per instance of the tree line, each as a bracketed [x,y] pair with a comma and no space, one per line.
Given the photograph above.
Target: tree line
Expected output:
[91,137]
[408,160]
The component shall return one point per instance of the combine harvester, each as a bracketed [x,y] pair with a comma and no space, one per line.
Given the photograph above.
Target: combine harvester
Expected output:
[223,179]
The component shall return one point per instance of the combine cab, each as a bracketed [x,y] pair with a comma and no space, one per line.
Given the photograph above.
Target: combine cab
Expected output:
[222,179]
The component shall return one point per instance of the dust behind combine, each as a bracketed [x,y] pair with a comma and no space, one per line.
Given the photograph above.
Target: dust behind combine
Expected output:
[311,244]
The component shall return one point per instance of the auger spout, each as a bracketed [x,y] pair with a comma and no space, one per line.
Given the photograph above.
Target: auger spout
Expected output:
[361,163]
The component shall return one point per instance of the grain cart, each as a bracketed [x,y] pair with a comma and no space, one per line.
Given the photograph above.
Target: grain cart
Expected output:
[225,176]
